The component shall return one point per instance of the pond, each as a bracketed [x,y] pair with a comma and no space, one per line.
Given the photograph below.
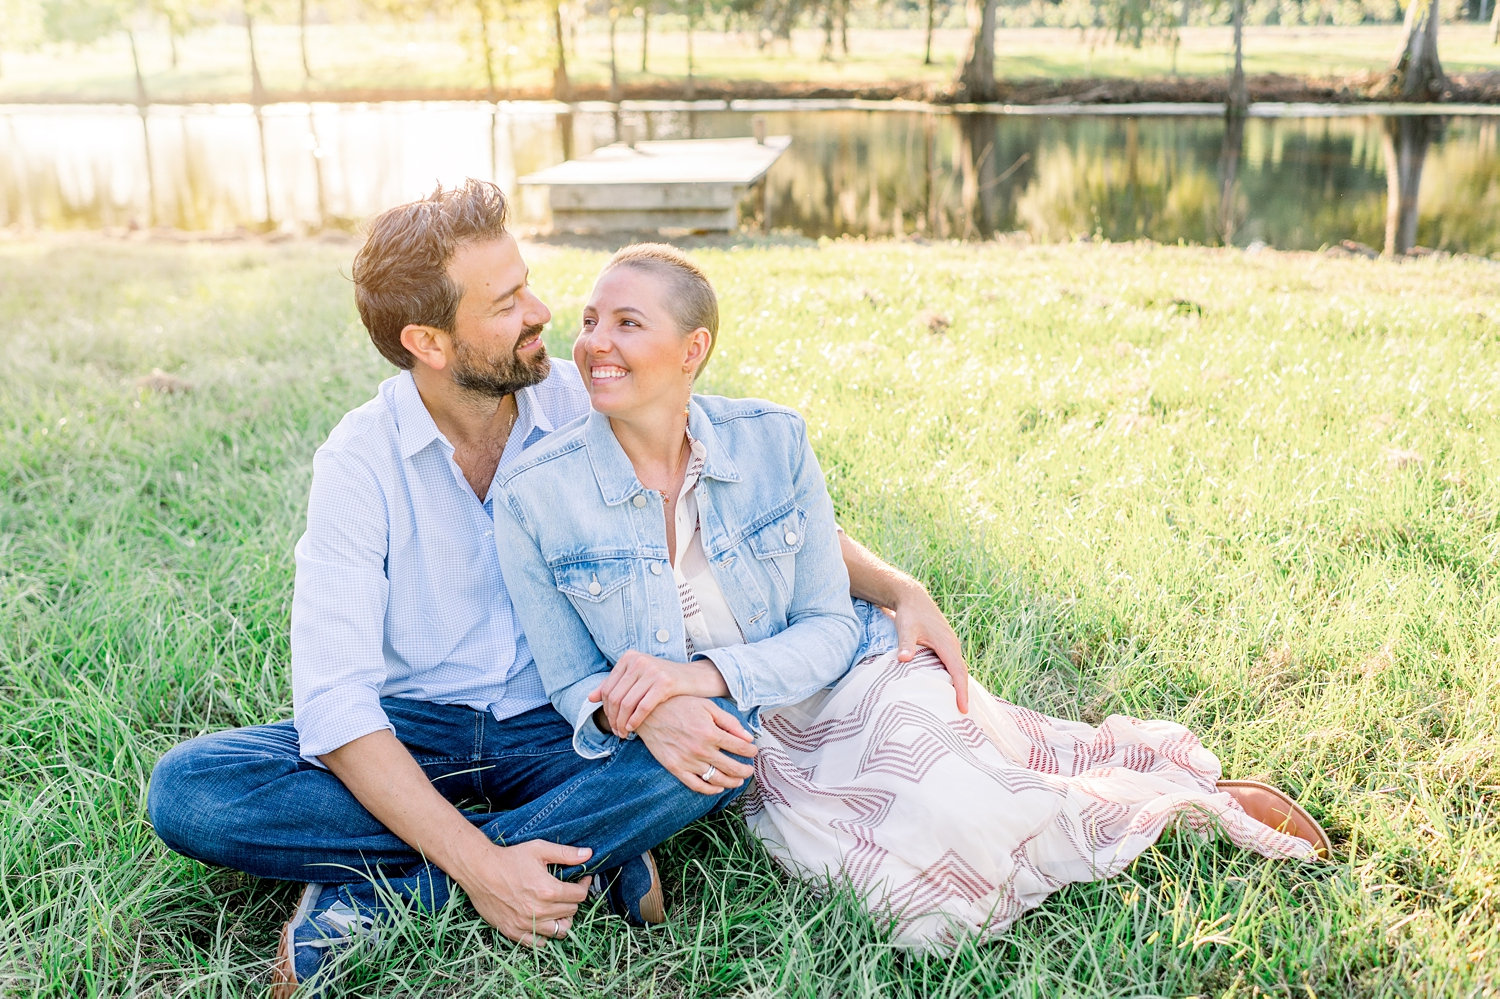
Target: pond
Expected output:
[1294,182]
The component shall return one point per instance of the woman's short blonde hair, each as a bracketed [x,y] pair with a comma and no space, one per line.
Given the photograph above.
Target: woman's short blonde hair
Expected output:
[690,297]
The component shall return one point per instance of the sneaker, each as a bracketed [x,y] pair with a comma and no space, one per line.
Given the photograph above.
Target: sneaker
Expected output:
[634,890]
[324,920]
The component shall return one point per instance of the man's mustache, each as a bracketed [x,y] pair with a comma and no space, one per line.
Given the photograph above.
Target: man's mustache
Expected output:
[529,333]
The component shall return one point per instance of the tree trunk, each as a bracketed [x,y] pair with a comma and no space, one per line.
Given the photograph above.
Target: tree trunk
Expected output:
[645,9]
[692,86]
[561,88]
[302,41]
[614,69]
[827,54]
[976,78]
[172,43]
[257,89]
[140,104]
[1406,140]
[931,23]
[1238,102]
[1495,25]
[135,62]
[1417,74]
[843,21]
[482,8]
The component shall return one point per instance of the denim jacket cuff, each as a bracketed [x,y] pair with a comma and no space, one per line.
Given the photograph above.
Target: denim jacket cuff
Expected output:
[735,676]
[588,740]
[572,702]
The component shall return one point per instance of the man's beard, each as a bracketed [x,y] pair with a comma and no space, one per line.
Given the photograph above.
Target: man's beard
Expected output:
[502,376]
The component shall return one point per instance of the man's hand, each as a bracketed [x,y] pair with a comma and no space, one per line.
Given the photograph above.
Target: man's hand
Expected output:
[919,622]
[687,735]
[639,682]
[510,886]
[514,892]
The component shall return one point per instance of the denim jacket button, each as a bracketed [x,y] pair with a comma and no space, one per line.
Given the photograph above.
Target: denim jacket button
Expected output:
[662,634]
[656,568]
[640,499]
[791,537]
[594,588]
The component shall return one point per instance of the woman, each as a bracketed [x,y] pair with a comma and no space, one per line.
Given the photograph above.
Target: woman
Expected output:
[672,549]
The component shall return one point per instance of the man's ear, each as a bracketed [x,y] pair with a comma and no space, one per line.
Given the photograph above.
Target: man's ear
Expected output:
[429,345]
[697,350]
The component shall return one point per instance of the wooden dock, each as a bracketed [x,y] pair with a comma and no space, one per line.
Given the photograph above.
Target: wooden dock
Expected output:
[693,184]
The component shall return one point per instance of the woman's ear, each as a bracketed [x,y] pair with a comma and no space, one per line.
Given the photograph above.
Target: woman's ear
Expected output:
[427,344]
[698,343]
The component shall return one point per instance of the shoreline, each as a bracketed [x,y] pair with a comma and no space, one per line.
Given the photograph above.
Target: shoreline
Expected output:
[1480,88]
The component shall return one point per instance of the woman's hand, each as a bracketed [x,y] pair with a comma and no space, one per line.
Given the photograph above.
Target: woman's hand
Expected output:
[919,622]
[640,682]
[691,737]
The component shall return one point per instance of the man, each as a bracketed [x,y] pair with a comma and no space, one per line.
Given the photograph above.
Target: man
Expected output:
[423,743]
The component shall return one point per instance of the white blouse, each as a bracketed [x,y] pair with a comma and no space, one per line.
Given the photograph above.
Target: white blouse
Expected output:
[707,620]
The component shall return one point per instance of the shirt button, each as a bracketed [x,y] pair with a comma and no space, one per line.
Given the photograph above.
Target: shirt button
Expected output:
[640,499]
[656,568]
[791,537]
[594,588]
[662,634]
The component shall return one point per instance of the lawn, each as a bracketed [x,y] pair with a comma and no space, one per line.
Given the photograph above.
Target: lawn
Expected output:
[1254,493]
[441,58]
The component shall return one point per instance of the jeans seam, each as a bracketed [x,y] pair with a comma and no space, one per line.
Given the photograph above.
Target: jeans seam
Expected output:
[566,792]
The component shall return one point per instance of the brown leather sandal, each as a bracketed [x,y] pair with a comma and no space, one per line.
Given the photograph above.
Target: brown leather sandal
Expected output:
[1265,803]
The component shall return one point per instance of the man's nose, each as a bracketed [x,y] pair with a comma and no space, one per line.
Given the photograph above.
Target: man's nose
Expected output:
[539,315]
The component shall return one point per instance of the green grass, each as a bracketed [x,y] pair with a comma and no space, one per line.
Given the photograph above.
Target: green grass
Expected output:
[442,57]
[1256,494]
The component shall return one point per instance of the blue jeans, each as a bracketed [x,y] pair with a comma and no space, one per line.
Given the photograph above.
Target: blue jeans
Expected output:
[246,799]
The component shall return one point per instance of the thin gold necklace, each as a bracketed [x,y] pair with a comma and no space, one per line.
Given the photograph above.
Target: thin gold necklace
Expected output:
[662,492]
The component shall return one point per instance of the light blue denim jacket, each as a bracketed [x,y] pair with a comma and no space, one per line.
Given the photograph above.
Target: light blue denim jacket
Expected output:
[583,549]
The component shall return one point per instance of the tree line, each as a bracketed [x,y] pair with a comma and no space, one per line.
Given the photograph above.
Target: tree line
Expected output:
[1415,74]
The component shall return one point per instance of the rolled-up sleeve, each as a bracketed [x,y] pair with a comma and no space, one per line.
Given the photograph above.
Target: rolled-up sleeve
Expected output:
[569,662]
[339,607]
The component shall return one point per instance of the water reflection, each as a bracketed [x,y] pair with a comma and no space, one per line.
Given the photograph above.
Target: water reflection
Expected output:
[1294,183]
[1406,144]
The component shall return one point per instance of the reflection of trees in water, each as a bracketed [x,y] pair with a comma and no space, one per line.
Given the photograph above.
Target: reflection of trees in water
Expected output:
[1297,183]
[1406,141]
[1231,208]
[1460,189]
[856,172]
[1115,180]
[996,160]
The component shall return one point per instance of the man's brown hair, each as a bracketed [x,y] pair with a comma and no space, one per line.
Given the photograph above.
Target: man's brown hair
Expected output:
[401,273]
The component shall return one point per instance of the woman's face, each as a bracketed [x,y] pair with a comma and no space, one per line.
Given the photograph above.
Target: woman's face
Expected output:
[631,354]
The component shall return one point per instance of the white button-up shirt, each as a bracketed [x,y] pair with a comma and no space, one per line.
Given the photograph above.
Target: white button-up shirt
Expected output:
[399,591]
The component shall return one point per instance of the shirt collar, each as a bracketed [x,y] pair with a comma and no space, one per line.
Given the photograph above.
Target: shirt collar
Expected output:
[416,429]
[530,413]
[414,424]
[613,471]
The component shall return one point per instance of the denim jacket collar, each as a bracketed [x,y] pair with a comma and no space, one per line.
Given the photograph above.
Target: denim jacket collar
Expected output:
[614,473]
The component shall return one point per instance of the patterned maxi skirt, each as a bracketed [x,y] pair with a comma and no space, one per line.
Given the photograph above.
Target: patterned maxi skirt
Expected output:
[957,824]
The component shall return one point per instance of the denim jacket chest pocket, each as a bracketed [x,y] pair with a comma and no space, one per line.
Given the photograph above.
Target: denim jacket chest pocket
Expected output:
[601,591]
[775,545]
